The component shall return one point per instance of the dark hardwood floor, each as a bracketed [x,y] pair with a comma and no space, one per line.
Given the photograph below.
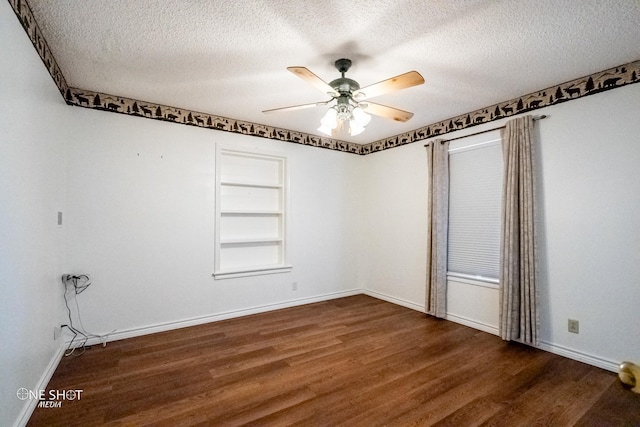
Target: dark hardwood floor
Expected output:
[355,361]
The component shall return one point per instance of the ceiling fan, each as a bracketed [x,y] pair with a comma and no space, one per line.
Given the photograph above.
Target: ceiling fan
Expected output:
[350,111]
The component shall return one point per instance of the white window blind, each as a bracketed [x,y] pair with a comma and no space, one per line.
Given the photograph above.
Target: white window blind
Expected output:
[475,195]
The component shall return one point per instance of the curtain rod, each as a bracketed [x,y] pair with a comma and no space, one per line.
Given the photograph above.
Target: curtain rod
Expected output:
[544,116]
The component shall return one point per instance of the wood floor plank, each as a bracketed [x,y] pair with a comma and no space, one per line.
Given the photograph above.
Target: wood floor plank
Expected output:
[617,406]
[355,361]
[437,390]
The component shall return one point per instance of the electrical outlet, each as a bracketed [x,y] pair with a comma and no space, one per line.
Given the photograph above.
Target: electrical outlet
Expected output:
[574,326]
[57,330]
[294,286]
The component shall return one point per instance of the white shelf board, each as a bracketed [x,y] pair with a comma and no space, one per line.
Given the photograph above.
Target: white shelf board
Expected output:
[234,183]
[249,241]
[252,271]
[250,212]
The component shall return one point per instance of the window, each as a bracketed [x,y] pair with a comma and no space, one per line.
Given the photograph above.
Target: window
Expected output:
[475,197]
[251,213]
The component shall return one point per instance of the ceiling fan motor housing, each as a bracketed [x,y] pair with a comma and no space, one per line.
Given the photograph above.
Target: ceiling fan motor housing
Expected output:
[343,85]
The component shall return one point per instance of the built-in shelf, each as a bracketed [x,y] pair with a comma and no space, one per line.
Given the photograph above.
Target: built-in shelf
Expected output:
[251,212]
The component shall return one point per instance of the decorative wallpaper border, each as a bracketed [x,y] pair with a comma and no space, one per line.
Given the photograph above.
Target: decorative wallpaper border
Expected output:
[149,110]
[25,16]
[612,78]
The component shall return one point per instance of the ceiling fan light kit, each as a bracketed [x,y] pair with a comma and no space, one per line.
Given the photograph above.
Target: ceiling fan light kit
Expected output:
[349,113]
[344,112]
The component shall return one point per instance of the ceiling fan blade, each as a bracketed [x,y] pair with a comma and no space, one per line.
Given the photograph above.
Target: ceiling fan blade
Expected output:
[387,112]
[306,75]
[298,107]
[412,78]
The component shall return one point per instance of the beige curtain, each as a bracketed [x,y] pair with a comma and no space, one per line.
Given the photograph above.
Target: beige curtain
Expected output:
[437,220]
[519,319]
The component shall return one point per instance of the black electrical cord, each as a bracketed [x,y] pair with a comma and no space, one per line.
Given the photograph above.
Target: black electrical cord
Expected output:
[69,281]
[79,284]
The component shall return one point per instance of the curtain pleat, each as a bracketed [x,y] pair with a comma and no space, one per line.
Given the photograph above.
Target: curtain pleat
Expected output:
[519,319]
[437,220]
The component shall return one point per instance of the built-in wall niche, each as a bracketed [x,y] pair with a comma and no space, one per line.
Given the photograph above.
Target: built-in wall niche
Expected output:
[251,213]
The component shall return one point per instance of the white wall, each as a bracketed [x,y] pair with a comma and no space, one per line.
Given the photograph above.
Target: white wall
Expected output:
[590,216]
[33,131]
[474,303]
[141,223]
[590,228]
[394,240]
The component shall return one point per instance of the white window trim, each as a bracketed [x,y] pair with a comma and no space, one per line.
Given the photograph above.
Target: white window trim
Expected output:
[484,282]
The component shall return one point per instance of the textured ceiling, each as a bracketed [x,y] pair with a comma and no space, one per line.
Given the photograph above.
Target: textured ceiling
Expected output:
[229,58]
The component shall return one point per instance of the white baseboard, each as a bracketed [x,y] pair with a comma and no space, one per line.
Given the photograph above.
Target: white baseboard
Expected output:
[30,404]
[162,327]
[394,300]
[485,327]
[589,359]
